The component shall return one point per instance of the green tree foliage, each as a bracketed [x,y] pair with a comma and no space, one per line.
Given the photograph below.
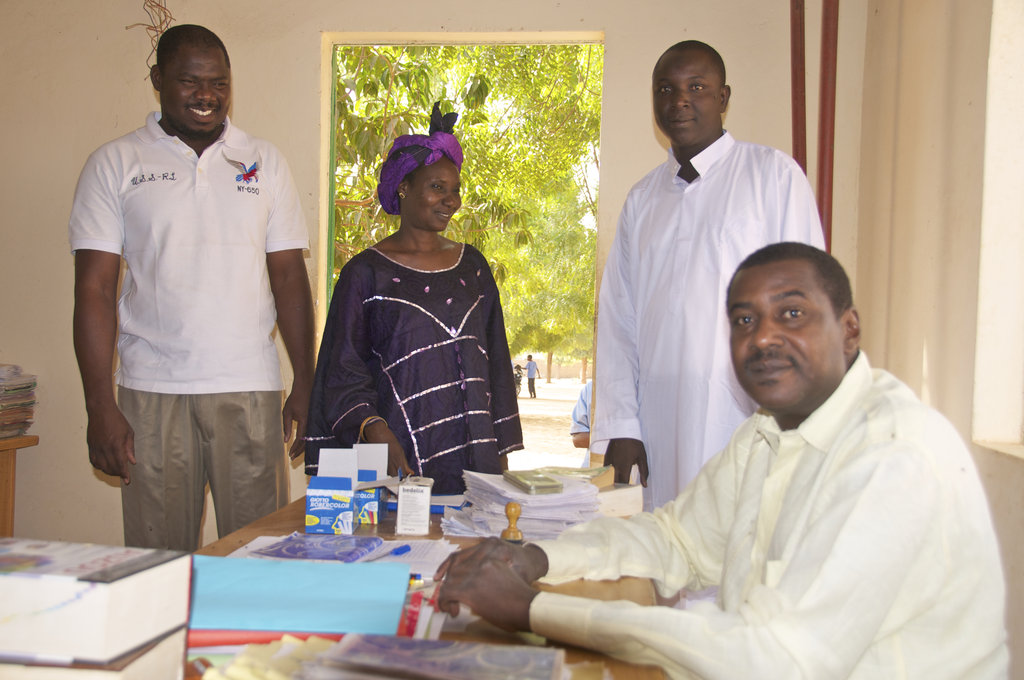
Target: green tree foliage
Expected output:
[529,124]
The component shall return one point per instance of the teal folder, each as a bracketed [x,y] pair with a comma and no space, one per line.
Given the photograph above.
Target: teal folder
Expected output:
[297,596]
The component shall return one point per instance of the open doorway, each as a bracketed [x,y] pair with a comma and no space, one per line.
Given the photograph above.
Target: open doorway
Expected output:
[529,123]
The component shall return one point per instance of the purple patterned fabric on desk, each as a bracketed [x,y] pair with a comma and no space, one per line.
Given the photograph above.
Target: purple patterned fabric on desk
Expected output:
[427,351]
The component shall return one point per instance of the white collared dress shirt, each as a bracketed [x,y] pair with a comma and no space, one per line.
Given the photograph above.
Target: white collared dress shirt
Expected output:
[858,545]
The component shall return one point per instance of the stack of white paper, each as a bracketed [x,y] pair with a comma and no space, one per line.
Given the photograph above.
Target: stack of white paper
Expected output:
[543,515]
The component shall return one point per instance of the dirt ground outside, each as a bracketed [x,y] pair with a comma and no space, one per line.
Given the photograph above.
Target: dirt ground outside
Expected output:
[546,421]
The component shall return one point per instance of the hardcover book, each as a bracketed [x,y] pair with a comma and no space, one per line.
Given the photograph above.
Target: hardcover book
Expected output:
[66,602]
[164,658]
[621,500]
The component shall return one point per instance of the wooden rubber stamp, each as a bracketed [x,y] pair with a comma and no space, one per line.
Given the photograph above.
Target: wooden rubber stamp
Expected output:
[511,533]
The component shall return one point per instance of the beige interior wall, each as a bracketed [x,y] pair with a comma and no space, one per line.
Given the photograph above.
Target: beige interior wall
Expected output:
[76,78]
[921,193]
[921,179]
[906,209]
[997,397]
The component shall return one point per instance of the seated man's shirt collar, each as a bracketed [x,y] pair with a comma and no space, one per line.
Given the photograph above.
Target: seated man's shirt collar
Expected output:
[822,427]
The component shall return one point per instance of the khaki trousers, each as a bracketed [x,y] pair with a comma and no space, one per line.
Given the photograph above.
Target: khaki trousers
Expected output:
[234,442]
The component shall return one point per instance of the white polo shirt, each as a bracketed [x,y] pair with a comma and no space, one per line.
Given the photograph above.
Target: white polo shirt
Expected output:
[195,311]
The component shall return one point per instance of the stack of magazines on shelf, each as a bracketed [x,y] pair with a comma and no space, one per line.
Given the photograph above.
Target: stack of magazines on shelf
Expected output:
[17,401]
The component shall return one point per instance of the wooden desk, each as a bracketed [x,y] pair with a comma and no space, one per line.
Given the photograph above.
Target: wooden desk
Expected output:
[8,452]
[292,518]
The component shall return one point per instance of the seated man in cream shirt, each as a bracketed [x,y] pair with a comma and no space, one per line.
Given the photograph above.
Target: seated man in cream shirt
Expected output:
[844,524]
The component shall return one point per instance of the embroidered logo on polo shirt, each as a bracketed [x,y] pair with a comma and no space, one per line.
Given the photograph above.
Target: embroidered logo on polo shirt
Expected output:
[248,174]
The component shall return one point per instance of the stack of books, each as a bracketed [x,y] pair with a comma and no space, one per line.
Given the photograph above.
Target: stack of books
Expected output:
[71,611]
[17,401]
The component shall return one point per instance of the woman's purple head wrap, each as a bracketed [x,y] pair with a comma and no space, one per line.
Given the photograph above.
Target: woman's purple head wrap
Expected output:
[411,151]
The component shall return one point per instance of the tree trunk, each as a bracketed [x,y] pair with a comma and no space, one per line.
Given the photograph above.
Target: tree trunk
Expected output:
[583,372]
[547,374]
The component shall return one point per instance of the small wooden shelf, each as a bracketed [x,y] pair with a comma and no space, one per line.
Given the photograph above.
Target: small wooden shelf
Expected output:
[8,452]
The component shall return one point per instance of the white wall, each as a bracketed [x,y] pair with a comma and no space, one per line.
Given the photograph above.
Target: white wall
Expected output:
[907,202]
[921,189]
[75,78]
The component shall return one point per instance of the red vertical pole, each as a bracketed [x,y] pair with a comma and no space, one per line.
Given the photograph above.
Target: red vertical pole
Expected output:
[798,83]
[827,114]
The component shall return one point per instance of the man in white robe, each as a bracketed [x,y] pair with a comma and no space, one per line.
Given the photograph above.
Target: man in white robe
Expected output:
[665,387]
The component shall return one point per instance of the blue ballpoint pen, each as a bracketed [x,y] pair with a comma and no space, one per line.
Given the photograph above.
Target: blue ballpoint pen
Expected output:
[400,550]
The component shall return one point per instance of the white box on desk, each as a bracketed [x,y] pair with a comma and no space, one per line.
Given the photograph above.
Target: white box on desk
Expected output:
[348,489]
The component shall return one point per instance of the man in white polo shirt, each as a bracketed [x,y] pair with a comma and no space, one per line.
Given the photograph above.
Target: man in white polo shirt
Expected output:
[208,223]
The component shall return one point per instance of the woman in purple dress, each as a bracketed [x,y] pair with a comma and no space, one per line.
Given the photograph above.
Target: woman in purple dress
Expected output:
[414,352]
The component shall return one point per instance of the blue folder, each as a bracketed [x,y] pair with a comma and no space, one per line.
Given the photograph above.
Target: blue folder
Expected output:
[297,596]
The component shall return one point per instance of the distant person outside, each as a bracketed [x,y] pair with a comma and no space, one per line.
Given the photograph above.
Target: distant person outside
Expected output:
[580,428]
[532,373]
